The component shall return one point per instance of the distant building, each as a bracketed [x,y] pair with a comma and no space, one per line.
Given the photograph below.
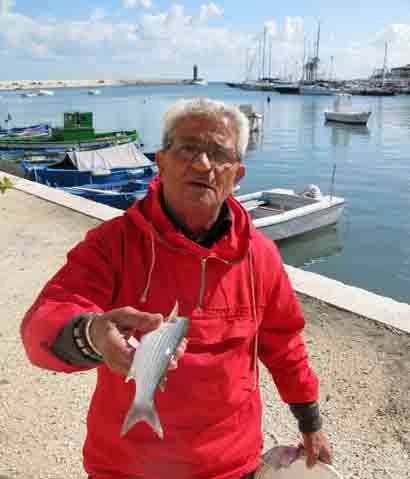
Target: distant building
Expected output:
[401,72]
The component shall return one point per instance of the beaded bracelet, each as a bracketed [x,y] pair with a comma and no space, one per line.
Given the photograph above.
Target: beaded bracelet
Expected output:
[82,339]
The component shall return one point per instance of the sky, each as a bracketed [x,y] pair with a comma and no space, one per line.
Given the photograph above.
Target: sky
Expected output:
[159,39]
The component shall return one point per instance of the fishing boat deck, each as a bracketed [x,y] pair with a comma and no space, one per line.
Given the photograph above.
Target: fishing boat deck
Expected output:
[264,210]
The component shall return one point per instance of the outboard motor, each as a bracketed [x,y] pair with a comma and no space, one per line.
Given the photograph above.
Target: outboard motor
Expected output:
[312,191]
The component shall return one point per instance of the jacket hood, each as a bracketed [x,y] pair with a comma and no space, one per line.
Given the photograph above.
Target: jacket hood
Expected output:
[149,217]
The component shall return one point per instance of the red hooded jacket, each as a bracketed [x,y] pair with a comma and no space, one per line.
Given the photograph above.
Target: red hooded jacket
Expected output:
[238,298]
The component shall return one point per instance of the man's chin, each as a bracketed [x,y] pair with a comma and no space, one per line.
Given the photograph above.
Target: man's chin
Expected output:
[202,197]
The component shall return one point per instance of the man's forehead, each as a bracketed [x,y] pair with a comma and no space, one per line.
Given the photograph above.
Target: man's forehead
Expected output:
[196,126]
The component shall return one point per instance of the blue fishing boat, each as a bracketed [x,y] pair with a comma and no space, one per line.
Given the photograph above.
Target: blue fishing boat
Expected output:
[102,166]
[119,194]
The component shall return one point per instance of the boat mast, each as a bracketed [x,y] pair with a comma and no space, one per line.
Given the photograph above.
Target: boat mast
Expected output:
[264,52]
[384,64]
[259,57]
[316,59]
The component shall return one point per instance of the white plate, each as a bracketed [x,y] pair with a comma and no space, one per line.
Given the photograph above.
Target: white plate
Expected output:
[299,470]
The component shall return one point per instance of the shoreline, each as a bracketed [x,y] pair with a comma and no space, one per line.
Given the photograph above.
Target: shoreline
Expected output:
[39,84]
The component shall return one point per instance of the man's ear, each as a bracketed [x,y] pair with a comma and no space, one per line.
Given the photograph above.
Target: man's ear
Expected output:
[159,159]
[240,173]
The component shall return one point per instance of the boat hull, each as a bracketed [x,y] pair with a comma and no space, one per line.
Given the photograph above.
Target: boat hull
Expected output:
[353,118]
[40,144]
[319,91]
[282,214]
[296,227]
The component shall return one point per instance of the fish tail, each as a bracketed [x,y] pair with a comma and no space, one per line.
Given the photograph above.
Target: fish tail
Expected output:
[143,412]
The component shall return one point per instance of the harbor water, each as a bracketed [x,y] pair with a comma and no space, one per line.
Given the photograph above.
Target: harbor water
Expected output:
[370,248]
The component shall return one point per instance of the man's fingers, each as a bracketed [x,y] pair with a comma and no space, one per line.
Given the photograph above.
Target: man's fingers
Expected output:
[129,319]
[312,454]
[173,363]
[311,459]
[325,456]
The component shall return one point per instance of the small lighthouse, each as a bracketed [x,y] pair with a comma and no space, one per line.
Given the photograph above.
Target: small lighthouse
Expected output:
[195,77]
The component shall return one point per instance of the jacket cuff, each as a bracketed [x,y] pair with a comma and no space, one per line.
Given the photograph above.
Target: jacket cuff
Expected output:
[308,416]
[72,346]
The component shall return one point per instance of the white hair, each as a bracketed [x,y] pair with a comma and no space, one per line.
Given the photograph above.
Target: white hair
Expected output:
[208,108]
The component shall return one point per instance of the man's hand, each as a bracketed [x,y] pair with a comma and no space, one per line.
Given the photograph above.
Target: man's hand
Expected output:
[111,331]
[316,447]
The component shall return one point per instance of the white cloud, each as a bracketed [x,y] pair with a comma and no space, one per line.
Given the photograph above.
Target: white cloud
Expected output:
[98,14]
[136,3]
[209,10]
[5,7]
[271,28]
[293,28]
[174,40]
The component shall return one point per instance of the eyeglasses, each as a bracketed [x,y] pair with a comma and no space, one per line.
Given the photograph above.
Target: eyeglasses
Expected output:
[218,155]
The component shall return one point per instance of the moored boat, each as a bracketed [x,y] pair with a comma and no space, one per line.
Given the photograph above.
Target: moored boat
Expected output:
[288,88]
[343,112]
[45,93]
[41,129]
[78,132]
[105,165]
[117,194]
[283,213]
[317,89]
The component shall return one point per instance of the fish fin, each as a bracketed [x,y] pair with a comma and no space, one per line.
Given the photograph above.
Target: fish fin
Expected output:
[142,413]
[174,312]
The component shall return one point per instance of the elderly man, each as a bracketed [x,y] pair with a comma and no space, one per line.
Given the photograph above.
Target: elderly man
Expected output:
[187,240]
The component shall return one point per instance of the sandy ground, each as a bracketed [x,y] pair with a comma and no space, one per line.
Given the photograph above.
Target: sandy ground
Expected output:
[364,369]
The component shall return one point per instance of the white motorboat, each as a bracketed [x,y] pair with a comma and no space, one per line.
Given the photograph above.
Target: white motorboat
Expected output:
[94,92]
[343,112]
[317,89]
[199,81]
[285,213]
[255,118]
[45,93]
[28,94]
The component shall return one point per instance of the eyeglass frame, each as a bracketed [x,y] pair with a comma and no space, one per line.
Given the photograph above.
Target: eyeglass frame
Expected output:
[199,148]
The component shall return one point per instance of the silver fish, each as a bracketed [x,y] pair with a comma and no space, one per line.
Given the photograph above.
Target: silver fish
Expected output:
[149,368]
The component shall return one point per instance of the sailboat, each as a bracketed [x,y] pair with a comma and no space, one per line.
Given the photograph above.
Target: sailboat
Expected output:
[311,85]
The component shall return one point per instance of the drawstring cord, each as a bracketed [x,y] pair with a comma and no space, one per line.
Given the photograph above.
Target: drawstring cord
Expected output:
[151,269]
[255,353]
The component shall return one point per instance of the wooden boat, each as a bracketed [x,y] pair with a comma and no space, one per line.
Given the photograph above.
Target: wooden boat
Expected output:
[282,213]
[39,130]
[119,194]
[343,112]
[78,132]
[105,165]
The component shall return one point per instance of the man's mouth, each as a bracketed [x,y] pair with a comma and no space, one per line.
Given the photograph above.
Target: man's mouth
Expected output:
[201,184]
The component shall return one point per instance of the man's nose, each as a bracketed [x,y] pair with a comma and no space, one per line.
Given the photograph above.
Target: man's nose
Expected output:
[202,162]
